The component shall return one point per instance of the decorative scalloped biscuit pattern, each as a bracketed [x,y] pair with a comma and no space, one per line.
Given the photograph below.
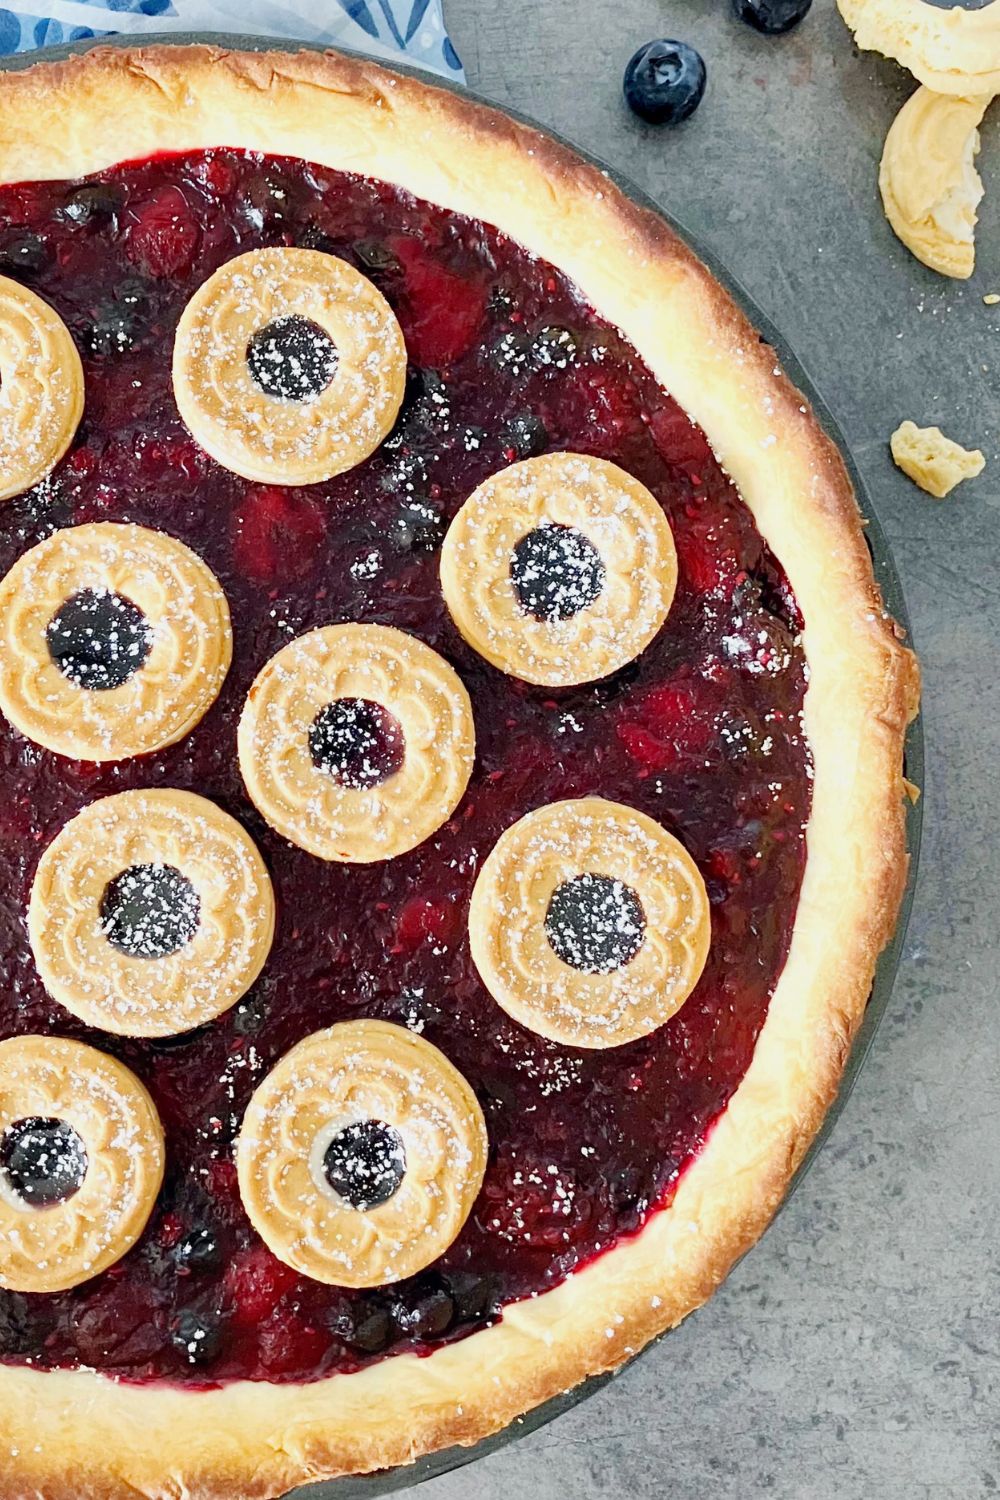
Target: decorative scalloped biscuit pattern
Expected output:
[310,807]
[52,1248]
[618,516]
[142,996]
[41,395]
[511,899]
[269,438]
[361,1070]
[180,678]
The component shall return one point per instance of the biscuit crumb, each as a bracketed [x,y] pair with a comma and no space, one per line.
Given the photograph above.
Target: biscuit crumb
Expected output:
[933,461]
[991,299]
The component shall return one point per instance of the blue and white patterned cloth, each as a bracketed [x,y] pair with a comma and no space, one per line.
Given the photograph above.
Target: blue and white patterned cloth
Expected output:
[389,29]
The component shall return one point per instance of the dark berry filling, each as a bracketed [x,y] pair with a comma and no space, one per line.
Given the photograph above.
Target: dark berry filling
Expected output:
[595,924]
[150,911]
[703,733]
[357,742]
[292,358]
[365,1163]
[42,1161]
[556,571]
[99,639]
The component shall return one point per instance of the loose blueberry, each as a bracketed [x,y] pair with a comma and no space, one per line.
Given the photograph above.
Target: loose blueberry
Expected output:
[772,17]
[198,1336]
[270,201]
[555,347]
[471,1294]
[118,321]
[95,203]
[314,238]
[418,527]
[24,255]
[525,434]
[511,354]
[17,1332]
[366,1325]
[375,256]
[427,1318]
[198,1252]
[664,82]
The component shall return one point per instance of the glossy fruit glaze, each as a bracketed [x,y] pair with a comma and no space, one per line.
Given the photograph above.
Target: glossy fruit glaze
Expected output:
[703,733]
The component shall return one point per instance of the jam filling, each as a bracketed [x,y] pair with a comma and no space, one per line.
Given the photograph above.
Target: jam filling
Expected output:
[595,924]
[365,1163]
[357,742]
[292,358]
[702,732]
[42,1161]
[98,639]
[150,911]
[556,571]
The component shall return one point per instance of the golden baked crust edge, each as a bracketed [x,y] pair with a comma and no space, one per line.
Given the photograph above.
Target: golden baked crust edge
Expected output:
[80,1436]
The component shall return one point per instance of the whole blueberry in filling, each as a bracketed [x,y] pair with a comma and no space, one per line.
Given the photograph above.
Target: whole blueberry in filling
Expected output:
[595,924]
[292,358]
[556,571]
[365,1163]
[99,639]
[150,911]
[357,742]
[43,1161]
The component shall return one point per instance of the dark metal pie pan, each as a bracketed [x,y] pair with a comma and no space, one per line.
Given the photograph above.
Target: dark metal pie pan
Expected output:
[386,1482]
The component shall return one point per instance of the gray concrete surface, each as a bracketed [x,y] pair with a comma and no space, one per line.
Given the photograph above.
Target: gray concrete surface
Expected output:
[854,1354]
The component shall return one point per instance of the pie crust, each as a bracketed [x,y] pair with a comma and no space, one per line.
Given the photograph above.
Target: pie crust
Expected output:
[78,1435]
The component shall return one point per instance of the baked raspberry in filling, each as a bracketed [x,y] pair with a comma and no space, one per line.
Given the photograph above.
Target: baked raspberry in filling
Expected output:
[703,733]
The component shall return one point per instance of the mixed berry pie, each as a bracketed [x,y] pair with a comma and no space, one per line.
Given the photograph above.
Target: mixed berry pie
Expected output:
[451,774]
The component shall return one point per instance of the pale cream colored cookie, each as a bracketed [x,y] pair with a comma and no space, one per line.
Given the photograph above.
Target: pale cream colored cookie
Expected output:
[114,641]
[357,742]
[41,390]
[90,1131]
[361,1155]
[151,912]
[951,49]
[289,366]
[932,460]
[559,569]
[928,180]
[589,923]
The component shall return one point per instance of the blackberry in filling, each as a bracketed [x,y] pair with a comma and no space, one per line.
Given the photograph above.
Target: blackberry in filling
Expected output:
[42,1161]
[357,742]
[292,358]
[150,911]
[583,1147]
[556,571]
[595,924]
[99,639]
[365,1163]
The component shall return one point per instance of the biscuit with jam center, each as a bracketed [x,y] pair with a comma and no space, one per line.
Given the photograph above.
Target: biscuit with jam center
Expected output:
[289,366]
[361,1155]
[589,923]
[559,569]
[151,912]
[357,742]
[81,1162]
[41,390]
[115,641]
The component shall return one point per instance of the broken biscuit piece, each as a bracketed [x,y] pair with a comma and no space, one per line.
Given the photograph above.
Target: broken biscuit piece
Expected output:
[928,180]
[933,461]
[952,51]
